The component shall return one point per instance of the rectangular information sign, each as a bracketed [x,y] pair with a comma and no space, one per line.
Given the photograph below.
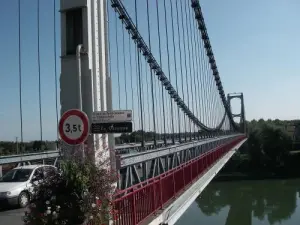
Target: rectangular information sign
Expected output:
[112,116]
[102,128]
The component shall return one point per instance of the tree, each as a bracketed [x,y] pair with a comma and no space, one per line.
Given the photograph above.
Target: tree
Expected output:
[255,151]
[276,145]
[268,144]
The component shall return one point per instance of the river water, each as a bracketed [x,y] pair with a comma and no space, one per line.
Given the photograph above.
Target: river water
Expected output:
[266,202]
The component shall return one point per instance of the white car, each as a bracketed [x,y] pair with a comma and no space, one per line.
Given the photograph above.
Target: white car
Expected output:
[16,186]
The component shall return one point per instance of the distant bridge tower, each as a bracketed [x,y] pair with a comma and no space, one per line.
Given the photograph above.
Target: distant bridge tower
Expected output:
[241,115]
[85,81]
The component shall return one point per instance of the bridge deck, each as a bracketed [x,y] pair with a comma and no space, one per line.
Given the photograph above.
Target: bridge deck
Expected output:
[175,208]
[138,204]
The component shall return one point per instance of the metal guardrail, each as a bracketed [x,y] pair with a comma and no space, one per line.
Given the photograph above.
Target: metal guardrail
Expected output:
[137,203]
[29,157]
[56,153]
[134,158]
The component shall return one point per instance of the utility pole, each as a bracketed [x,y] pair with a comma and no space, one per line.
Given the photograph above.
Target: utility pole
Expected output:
[17,145]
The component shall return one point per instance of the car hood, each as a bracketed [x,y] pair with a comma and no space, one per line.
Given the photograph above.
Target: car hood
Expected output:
[9,186]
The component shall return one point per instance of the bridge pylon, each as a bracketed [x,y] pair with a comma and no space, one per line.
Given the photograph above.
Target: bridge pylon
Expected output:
[241,115]
[85,80]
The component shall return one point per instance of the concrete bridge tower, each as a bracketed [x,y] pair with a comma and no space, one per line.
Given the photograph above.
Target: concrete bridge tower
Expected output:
[85,80]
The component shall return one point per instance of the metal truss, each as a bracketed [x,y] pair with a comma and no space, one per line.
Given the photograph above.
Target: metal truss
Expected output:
[136,168]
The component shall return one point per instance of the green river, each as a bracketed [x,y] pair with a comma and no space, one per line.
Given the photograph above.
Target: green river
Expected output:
[246,203]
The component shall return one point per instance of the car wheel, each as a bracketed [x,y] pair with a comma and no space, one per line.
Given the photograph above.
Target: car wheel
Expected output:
[23,199]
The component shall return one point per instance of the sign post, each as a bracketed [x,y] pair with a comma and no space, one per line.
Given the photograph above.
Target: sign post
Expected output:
[118,121]
[73,127]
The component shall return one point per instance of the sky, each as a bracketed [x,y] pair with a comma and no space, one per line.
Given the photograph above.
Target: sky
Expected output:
[254,42]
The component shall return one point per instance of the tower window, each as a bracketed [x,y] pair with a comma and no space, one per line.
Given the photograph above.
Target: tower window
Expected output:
[74,33]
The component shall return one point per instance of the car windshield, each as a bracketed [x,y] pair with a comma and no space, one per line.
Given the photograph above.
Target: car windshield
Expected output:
[17,175]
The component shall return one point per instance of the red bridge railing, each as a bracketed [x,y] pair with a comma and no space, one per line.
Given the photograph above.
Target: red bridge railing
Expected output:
[146,198]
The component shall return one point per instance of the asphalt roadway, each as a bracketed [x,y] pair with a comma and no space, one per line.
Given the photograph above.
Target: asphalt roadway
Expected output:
[11,216]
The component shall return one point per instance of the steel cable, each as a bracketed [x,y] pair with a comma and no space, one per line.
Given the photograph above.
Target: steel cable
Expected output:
[160,62]
[117,49]
[39,70]
[20,75]
[175,64]
[139,80]
[181,67]
[168,58]
[151,78]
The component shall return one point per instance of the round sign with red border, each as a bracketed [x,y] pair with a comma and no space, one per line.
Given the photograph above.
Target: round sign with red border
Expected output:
[73,127]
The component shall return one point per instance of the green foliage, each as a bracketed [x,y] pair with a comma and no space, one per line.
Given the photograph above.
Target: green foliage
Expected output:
[79,194]
[9,147]
[268,149]
[268,144]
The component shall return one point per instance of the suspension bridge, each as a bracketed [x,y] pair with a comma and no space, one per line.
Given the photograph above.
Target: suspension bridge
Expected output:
[152,57]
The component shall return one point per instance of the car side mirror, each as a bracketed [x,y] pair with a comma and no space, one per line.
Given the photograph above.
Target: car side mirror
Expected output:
[33,179]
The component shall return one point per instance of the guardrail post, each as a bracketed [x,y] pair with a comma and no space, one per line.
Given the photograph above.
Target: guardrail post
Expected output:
[134,210]
[160,189]
[197,171]
[174,184]
[153,196]
[183,177]
[191,171]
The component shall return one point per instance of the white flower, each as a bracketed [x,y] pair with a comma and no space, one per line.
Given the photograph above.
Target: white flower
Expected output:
[93,205]
[91,217]
[49,208]
[97,197]
[54,215]
[47,202]
[48,211]
[58,207]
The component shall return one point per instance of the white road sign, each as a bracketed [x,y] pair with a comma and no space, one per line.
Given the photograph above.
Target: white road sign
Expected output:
[74,127]
[112,116]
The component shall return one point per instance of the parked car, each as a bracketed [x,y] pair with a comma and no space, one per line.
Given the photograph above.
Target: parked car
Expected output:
[16,186]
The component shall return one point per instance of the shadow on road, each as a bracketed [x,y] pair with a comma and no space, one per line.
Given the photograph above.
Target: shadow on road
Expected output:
[11,216]
[8,208]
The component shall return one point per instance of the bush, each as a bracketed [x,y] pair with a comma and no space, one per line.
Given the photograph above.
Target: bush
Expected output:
[78,194]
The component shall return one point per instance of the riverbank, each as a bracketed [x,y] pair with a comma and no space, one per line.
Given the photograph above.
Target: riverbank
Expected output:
[236,176]
[241,168]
